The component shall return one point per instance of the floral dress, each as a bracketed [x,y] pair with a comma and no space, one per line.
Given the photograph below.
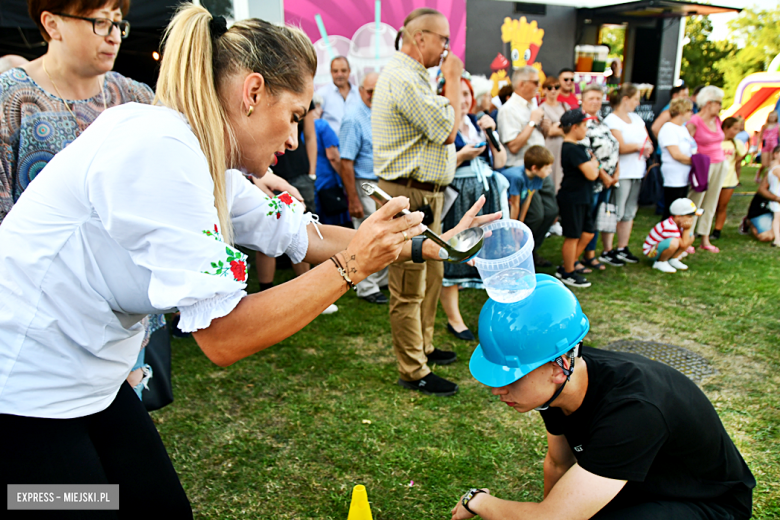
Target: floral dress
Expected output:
[604,146]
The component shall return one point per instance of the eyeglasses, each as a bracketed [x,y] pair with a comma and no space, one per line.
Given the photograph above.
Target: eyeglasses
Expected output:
[445,39]
[534,81]
[556,87]
[103,26]
[567,79]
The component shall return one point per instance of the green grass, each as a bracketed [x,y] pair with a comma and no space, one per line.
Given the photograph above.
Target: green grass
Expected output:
[283,434]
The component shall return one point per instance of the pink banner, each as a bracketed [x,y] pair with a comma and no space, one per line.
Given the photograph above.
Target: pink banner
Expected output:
[345,17]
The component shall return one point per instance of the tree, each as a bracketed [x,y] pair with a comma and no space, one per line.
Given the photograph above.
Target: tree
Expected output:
[700,54]
[760,30]
[614,36]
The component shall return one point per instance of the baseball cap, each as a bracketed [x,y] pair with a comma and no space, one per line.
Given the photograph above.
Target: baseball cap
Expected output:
[573,117]
[685,207]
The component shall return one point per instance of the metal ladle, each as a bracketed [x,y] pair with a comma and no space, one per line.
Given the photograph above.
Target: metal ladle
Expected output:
[457,249]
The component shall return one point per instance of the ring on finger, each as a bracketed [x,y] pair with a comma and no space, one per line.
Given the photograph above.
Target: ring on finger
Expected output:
[406,237]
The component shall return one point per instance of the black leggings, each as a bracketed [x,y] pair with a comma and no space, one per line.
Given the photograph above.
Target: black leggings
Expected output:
[119,445]
[672,194]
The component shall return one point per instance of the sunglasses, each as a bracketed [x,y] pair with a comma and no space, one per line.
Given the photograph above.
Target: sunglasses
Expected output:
[557,87]
[567,79]
[534,81]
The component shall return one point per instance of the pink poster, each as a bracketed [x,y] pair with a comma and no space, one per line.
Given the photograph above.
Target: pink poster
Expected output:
[351,28]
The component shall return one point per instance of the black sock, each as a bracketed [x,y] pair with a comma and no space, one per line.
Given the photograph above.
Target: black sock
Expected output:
[265,286]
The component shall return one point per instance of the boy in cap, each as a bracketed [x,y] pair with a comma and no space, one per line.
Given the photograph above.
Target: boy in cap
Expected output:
[575,197]
[627,437]
[669,239]
[537,165]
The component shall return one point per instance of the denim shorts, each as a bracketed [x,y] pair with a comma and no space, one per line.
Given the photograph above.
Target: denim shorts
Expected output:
[762,223]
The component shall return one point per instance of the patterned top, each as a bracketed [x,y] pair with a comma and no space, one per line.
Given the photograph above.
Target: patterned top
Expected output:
[660,232]
[410,124]
[604,146]
[35,125]
[356,142]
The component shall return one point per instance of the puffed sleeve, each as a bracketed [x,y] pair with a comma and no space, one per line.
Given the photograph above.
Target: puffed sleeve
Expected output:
[154,197]
[273,226]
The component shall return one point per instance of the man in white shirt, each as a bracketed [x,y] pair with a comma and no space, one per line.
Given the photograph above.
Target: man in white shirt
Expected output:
[520,125]
[337,96]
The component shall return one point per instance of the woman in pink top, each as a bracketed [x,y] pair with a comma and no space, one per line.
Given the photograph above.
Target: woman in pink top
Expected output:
[706,130]
[767,140]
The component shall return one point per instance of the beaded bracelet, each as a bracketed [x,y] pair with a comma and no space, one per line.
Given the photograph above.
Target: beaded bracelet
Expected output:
[343,272]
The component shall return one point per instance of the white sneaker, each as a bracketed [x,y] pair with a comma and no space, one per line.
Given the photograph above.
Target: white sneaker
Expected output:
[664,267]
[674,262]
[556,229]
[331,309]
[682,255]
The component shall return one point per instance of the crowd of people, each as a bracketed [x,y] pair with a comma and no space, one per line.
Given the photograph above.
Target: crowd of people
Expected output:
[118,204]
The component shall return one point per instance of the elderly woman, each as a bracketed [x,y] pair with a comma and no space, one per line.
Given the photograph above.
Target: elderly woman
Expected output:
[474,177]
[603,145]
[553,135]
[705,127]
[677,146]
[90,249]
[635,147]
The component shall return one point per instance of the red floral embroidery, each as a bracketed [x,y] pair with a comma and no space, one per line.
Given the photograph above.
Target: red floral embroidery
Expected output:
[238,268]
[285,197]
[275,204]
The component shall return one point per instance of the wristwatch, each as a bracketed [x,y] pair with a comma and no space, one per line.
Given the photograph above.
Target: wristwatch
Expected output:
[417,247]
[532,124]
[468,496]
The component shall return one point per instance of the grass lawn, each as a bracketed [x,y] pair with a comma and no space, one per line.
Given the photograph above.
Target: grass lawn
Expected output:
[286,433]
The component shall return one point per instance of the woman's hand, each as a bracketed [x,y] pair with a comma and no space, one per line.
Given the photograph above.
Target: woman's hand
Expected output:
[380,239]
[647,149]
[459,512]
[486,122]
[468,152]
[469,220]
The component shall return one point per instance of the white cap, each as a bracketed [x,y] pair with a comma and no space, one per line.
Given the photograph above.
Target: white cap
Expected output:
[684,207]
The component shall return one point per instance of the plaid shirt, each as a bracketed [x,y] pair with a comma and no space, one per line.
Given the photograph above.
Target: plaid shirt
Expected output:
[410,124]
[355,138]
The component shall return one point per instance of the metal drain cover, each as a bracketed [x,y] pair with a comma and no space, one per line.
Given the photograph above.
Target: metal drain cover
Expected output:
[689,363]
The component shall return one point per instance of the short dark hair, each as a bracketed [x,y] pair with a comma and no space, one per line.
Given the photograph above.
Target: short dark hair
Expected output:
[505,93]
[676,90]
[76,7]
[341,58]
[565,69]
[538,156]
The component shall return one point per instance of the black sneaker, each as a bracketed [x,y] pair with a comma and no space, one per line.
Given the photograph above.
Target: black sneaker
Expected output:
[744,228]
[625,255]
[431,385]
[442,357]
[573,278]
[611,258]
[377,297]
[715,234]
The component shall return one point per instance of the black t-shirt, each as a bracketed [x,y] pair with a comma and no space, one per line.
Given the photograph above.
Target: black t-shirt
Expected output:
[645,422]
[758,206]
[294,163]
[575,187]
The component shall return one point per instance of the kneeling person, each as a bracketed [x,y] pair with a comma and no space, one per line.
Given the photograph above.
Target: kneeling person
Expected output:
[627,437]
[669,239]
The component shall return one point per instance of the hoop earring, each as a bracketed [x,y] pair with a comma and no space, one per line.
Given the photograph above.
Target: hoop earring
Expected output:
[251,109]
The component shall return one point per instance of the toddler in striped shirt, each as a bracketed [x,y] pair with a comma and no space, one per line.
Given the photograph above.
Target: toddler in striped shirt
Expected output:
[668,240]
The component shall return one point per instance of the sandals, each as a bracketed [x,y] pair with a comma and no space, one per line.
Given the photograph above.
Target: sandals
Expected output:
[593,263]
[710,248]
[581,269]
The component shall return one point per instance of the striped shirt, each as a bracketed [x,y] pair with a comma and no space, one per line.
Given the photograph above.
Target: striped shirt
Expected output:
[663,230]
[356,142]
[410,124]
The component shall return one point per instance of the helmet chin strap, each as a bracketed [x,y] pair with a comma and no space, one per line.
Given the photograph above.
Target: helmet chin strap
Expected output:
[567,371]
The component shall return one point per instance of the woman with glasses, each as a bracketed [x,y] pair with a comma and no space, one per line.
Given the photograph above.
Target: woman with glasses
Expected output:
[50,101]
[553,135]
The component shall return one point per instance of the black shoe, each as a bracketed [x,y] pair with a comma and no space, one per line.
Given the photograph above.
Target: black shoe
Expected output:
[442,357]
[175,330]
[715,234]
[573,278]
[465,335]
[744,227]
[611,258]
[625,255]
[431,385]
[376,297]
[540,261]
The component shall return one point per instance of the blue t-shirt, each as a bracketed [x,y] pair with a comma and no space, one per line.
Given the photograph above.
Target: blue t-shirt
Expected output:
[326,175]
[520,184]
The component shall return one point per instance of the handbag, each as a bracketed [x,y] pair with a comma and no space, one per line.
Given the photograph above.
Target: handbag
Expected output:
[333,201]
[606,215]
[158,356]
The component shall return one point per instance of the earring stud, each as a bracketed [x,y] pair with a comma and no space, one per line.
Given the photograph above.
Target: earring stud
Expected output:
[251,109]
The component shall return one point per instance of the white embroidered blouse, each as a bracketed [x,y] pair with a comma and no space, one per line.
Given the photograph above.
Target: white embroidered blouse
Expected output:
[121,224]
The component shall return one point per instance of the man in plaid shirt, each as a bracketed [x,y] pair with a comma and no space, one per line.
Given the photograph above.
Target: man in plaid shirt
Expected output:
[413,131]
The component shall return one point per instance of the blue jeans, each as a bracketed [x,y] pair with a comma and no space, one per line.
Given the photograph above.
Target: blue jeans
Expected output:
[598,198]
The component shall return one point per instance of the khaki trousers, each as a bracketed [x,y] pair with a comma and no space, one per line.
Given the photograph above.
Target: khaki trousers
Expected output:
[708,200]
[414,293]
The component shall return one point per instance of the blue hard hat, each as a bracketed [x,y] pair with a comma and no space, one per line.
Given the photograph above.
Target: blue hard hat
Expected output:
[516,338]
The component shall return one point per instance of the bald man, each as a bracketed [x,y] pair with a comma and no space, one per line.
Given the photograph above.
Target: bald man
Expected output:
[339,95]
[413,130]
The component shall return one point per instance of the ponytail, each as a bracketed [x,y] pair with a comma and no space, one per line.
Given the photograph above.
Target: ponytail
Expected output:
[186,84]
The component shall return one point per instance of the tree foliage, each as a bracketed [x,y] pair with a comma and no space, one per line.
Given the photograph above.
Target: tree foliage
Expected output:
[760,31]
[614,36]
[701,54]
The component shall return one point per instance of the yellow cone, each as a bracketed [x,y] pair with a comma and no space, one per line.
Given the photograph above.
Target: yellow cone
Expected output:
[359,508]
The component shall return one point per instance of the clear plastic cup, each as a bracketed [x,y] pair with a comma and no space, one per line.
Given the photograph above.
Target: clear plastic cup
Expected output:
[506,262]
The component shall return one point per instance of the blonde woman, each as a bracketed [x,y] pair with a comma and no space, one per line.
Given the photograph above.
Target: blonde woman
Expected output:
[90,249]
